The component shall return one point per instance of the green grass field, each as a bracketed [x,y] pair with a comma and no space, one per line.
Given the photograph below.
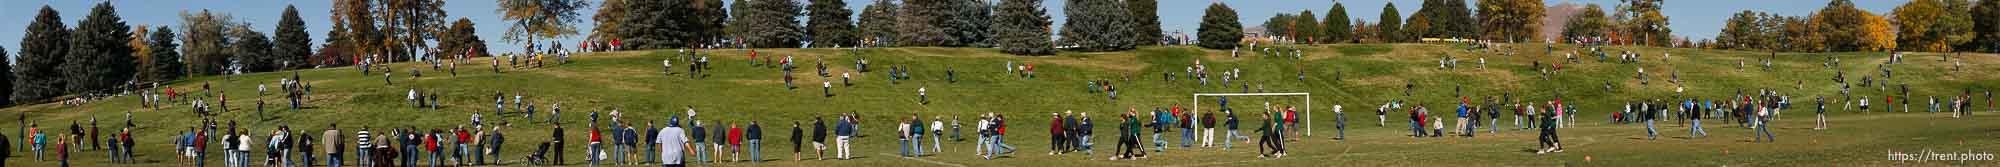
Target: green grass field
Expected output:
[1357,77]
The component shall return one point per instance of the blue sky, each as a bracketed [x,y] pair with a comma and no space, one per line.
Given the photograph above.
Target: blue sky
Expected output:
[1697,18]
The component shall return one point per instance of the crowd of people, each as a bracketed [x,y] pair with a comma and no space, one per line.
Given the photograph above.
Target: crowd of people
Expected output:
[678,139]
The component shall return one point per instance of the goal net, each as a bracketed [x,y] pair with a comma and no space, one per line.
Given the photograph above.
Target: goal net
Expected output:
[1252,99]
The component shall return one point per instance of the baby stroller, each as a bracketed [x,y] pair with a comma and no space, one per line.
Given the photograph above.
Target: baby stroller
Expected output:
[539,156]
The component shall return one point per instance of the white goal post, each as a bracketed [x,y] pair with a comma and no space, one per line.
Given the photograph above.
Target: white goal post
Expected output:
[1306,120]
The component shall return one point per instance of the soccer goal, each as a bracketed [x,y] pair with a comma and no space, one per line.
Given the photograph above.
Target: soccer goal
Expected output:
[1306,119]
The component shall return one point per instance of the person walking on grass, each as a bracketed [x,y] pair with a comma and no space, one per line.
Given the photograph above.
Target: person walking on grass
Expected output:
[1127,137]
[1695,116]
[999,137]
[1083,132]
[1230,123]
[903,137]
[1550,142]
[937,134]
[1650,115]
[1763,125]
[1819,111]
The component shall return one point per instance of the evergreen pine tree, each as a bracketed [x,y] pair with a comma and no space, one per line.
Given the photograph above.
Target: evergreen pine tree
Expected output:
[1219,28]
[1145,22]
[773,24]
[829,25]
[657,24]
[43,48]
[166,64]
[98,57]
[1022,27]
[1306,28]
[6,79]
[972,22]
[1338,30]
[878,24]
[292,43]
[1391,27]
[925,23]
[1097,25]
[249,50]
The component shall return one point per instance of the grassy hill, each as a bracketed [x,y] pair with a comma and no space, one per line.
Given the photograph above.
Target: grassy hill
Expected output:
[1357,77]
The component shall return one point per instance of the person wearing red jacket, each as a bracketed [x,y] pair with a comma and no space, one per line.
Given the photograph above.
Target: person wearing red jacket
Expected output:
[596,146]
[1055,133]
[462,152]
[735,142]
[431,145]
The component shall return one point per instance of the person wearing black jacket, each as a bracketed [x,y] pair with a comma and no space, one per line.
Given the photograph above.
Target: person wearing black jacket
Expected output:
[699,136]
[755,136]
[798,136]
[494,140]
[558,137]
[305,146]
[1073,133]
[1230,124]
[1083,130]
[652,147]
[818,139]
[721,138]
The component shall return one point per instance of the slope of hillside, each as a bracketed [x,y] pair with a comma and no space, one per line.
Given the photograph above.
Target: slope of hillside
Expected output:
[1356,77]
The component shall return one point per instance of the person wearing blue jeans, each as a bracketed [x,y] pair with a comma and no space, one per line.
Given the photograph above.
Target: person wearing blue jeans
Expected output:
[435,155]
[1764,131]
[1650,132]
[903,146]
[998,144]
[595,149]
[756,151]
[1339,123]
[1696,129]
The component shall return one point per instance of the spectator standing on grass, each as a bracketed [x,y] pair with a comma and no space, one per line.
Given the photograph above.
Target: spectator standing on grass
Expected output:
[557,137]
[494,139]
[842,130]
[735,143]
[652,146]
[699,137]
[720,138]
[1055,133]
[672,145]
[819,139]
[755,135]
[798,135]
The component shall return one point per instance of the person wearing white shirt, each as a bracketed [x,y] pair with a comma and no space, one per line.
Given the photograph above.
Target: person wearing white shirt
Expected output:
[673,143]
[413,97]
[978,148]
[937,130]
